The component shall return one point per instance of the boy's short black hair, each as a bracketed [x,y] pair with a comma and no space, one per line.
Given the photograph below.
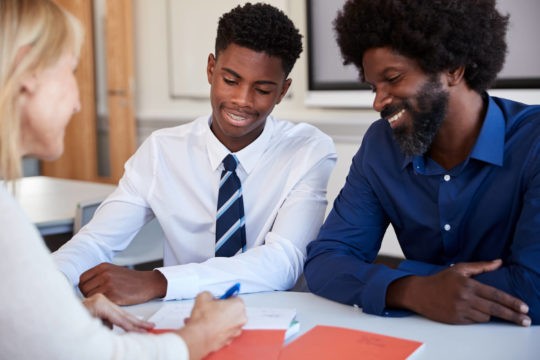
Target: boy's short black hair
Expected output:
[262,28]
[439,34]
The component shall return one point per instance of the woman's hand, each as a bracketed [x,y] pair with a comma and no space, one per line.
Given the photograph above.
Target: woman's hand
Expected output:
[212,324]
[99,306]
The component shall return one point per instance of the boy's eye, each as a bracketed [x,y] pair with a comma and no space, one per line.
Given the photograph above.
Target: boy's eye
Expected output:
[263,92]
[229,81]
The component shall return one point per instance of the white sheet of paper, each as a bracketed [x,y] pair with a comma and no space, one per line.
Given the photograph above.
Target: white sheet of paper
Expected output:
[171,316]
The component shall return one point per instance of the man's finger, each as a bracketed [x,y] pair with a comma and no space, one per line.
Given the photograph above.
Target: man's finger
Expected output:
[475,316]
[477,268]
[495,302]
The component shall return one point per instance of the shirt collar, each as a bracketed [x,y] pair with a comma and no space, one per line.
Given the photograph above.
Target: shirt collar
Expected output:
[248,157]
[489,146]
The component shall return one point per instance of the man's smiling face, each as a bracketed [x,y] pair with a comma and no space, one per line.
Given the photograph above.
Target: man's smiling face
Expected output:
[414,103]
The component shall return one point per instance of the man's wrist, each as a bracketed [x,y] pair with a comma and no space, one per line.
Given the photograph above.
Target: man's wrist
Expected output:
[398,293]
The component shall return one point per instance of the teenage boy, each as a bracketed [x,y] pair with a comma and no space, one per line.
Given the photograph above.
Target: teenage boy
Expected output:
[273,175]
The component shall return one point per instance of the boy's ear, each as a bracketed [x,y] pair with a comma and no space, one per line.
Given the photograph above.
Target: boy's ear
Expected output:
[284,90]
[210,67]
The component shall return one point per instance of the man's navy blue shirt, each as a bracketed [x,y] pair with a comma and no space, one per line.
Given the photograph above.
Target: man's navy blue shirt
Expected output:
[486,208]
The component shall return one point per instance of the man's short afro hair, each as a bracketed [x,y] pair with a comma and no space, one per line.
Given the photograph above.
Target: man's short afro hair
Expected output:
[439,34]
[262,28]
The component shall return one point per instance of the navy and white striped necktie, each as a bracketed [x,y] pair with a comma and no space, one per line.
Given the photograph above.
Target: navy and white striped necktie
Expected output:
[230,221]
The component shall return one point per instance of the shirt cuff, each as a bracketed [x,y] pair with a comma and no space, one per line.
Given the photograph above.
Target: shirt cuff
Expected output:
[181,283]
[69,271]
[374,294]
[419,268]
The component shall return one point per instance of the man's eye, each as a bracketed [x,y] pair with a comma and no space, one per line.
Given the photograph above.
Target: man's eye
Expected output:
[229,81]
[263,92]
[392,79]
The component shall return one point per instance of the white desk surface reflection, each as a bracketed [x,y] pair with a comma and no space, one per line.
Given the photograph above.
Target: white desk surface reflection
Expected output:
[51,202]
[494,340]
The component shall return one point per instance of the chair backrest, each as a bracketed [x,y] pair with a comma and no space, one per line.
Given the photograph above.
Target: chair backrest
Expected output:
[146,247]
[84,212]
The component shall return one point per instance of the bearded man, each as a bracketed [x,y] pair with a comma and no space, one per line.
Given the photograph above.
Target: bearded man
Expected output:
[454,170]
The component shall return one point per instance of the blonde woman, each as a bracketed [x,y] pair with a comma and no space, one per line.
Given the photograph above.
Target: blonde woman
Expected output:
[40,316]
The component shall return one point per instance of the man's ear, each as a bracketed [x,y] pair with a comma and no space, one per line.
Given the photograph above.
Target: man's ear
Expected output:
[455,76]
[210,66]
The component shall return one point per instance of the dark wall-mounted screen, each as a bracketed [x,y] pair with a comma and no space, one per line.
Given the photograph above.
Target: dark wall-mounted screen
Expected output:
[521,70]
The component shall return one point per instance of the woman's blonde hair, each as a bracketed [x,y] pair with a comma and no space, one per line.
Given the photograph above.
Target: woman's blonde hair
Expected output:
[34,34]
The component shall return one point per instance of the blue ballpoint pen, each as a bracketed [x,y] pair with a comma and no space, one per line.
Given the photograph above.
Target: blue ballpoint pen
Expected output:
[233,291]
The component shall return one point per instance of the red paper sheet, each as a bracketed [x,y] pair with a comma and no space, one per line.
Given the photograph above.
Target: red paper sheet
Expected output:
[328,342]
[252,345]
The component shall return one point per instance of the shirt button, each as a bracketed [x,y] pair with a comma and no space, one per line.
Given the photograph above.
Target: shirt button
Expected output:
[447,227]
[447,177]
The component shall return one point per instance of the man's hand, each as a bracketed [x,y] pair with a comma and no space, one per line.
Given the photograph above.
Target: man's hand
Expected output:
[452,296]
[99,306]
[123,286]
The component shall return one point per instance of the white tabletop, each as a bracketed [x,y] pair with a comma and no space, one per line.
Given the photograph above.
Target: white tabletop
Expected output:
[494,340]
[51,202]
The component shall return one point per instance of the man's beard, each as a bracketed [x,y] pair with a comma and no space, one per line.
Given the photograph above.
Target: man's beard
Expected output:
[432,105]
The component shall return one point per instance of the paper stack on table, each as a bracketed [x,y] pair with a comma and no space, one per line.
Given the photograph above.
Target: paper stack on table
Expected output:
[172,315]
[262,338]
